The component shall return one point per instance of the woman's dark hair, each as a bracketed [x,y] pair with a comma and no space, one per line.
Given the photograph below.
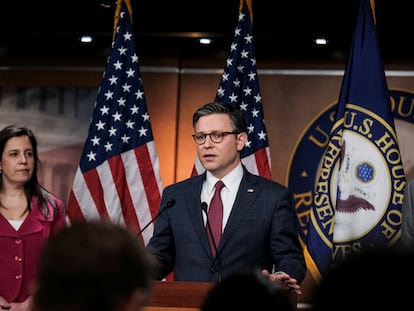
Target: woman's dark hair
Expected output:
[237,119]
[32,188]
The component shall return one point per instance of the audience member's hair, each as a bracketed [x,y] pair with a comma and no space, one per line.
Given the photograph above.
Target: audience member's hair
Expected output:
[370,280]
[92,266]
[248,290]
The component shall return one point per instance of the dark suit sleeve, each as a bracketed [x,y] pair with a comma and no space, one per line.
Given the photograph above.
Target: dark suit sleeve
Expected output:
[286,249]
[161,243]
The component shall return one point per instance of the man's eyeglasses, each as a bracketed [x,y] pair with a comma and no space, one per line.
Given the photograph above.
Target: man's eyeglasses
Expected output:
[215,137]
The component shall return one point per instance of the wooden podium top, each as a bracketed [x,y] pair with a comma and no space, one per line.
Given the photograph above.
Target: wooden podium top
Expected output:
[181,296]
[178,295]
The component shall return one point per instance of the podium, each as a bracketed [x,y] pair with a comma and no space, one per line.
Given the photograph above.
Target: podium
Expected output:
[182,296]
[178,296]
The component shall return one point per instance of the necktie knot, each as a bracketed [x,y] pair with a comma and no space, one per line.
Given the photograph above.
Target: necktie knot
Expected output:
[219,185]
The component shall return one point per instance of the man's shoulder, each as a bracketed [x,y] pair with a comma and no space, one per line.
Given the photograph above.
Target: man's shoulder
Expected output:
[264,180]
[188,182]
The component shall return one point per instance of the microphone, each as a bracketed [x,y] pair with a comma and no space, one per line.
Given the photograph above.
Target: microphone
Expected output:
[216,259]
[169,204]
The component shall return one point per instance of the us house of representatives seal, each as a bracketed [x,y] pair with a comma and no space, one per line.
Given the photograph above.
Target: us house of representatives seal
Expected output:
[372,189]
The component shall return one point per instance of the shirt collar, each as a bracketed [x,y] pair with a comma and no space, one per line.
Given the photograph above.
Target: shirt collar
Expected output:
[231,180]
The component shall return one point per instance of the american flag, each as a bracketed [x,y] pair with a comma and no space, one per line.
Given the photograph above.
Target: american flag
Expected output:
[360,188]
[239,87]
[118,174]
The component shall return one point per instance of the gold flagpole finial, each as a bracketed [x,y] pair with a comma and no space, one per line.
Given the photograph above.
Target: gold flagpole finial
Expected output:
[372,2]
[249,6]
[117,12]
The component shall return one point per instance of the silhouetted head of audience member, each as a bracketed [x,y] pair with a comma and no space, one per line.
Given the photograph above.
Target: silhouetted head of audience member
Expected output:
[371,280]
[93,266]
[247,291]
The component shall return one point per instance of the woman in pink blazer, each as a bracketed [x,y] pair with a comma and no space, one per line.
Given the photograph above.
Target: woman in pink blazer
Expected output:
[29,215]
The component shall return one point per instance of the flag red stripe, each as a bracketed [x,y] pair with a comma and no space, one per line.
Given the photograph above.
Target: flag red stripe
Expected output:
[194,171]
[95,188]
[262,163]
[118,174]
[149,180]
[74,212]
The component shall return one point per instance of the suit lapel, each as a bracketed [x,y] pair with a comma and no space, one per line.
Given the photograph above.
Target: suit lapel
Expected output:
[193,204]
[246,196]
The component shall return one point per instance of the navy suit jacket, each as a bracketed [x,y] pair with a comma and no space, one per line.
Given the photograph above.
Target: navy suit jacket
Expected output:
[260,232]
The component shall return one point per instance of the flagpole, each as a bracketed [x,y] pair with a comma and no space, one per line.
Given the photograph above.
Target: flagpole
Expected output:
[249,6]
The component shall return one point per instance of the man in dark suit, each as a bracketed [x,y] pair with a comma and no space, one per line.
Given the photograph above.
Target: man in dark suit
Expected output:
[258,222]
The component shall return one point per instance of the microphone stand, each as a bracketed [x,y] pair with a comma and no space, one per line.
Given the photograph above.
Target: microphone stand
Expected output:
[169,204]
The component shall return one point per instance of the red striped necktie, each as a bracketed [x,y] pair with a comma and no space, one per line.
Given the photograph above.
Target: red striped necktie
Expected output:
[215,217]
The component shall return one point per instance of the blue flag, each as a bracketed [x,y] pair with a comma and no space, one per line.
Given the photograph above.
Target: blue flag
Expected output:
[360,188]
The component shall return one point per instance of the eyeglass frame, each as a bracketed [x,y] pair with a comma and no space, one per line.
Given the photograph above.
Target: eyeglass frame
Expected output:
[221,135]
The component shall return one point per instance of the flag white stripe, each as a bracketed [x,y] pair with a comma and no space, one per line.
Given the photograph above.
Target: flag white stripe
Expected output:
[250,163]
[155,163]
[110,194]
[83,196]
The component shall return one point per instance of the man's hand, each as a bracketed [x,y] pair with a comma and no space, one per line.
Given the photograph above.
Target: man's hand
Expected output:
[285,281]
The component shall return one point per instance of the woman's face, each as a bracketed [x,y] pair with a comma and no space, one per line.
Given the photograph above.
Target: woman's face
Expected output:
[17,161]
